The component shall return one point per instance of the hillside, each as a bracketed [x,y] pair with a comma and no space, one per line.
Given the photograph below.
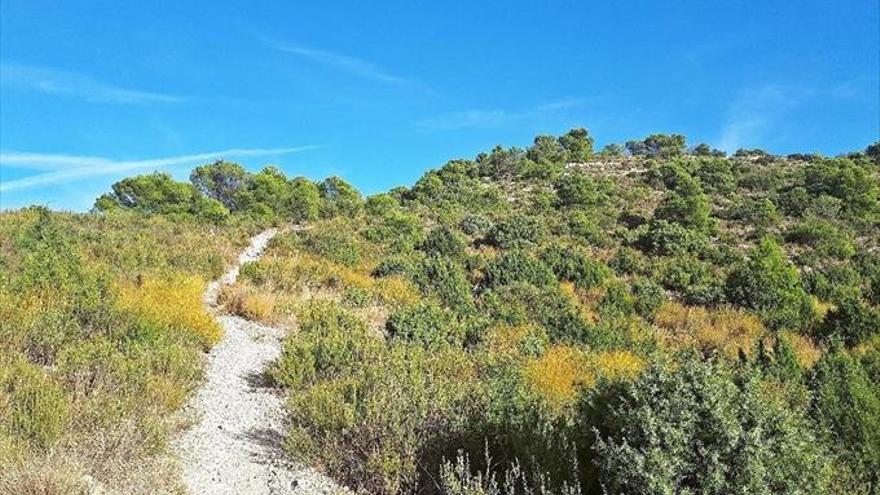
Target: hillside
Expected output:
[648,318]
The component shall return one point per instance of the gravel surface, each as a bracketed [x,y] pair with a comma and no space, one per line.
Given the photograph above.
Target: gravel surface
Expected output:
[234,447]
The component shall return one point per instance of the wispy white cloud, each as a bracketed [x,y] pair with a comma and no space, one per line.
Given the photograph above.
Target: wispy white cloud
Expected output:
[757,114]
[346,63]
[493,118]
[66,83]
[61,169]
[467,119]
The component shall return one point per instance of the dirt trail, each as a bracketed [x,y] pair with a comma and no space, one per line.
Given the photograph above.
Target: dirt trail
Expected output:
[234,447]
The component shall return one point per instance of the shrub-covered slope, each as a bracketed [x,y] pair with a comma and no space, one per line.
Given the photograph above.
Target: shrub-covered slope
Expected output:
[644,319]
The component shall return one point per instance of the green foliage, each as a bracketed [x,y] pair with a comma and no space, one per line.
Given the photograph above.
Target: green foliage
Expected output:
[648,297]
[693,280]
[823,237]
[517,232]
[442,326]
[702,428]
[160,193]
[671,238]
[34,405]
[686,205]
[769,284]
[517,266]
[332,340]
[578,190]
[847,181]
[444,241]
[716,175]
[547,150]
[305,200]
[221,181]
[476,225]
[522,303]
[658,145]
[426,324]
[445,279]
[335,244]
[852,320]
[847,406]
[340,198]
[575,266]
[500,163]
[578,143]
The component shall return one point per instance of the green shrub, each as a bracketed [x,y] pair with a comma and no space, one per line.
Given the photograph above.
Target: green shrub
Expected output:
[476,225]
[852,320]
[695,281]
[445,279]
[769,284]
[823,237]
[394,265]
[574,266]
[517,232]
[847,407]
[577,190]
[668,238]
[517,266]
[628,261]
[331,339]
[693,422]
[36,409]
[521,303]
[443,241]
[648,297]
[426,324]
[332,242]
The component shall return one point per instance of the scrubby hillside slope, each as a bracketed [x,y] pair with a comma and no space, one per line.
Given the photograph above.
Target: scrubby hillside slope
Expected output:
[645,319]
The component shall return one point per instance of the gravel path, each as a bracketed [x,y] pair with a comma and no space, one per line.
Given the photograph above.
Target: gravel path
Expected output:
[235,445]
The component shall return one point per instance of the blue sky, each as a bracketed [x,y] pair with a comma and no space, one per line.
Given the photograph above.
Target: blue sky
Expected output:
[379,92]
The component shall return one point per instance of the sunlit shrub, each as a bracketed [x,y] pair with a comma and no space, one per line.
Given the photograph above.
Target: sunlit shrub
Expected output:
[725,331]
[575,266]
[558,374]
[34,405]
[517,266]
[173,305]
[517,232]
[425,324]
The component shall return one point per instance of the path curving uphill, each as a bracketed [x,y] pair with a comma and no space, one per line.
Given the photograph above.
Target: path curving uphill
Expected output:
[234,447]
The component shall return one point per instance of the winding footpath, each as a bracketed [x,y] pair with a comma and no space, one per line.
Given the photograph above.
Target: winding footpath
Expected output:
[234,447]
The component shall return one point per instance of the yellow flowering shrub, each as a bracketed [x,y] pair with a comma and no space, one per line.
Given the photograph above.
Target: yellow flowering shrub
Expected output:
[617,364]
[726,331]
[808,354]
[558,374]
[174,304]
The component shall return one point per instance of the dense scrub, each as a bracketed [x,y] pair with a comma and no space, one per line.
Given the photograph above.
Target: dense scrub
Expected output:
[643,319]
[101,332]
[655,320]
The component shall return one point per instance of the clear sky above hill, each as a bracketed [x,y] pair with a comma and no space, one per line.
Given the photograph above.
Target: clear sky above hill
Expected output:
[379,92]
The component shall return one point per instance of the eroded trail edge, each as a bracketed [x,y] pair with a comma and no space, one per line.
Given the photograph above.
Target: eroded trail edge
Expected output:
[234,447]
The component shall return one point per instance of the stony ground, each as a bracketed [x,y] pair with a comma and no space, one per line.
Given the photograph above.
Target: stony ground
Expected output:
[234,447]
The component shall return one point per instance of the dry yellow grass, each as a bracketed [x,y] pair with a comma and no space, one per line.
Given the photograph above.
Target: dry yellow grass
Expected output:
[558,374]
[617,365]
[807,352]
[174,303]
[724,331]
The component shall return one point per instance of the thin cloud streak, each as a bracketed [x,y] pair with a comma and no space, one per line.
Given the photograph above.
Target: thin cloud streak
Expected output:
[758,113]
[69,168]
[345,63]
[66,83]
[469,119]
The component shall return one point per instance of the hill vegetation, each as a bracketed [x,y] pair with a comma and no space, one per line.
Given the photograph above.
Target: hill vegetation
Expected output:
[647,318]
